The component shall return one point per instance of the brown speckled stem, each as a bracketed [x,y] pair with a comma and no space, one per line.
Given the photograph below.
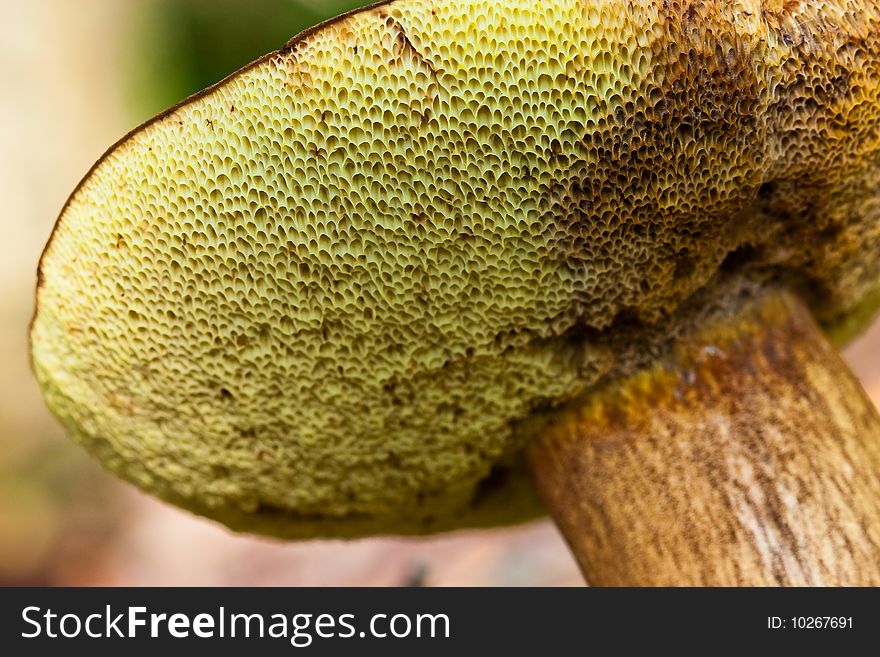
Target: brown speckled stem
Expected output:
[750,457]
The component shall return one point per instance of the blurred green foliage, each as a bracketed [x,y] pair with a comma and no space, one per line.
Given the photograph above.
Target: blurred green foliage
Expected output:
[181,46]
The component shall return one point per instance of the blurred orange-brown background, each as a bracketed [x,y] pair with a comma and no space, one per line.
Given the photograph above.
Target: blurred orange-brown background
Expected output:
[74,77]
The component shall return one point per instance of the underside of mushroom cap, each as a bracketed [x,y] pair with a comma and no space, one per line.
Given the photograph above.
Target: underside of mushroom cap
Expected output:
[319,298]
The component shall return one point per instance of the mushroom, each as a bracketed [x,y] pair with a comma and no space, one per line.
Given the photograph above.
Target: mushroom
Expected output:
[458,263]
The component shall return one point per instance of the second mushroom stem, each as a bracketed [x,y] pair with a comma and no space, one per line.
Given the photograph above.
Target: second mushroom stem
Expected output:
[750,457]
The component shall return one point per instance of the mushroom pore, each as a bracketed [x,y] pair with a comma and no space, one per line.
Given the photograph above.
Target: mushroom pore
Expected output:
[340,292]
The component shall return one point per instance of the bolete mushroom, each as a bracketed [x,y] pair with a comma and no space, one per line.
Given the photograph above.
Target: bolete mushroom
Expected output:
[428,253]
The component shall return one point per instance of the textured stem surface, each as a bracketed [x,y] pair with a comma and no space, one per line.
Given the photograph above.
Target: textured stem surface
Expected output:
[750,457]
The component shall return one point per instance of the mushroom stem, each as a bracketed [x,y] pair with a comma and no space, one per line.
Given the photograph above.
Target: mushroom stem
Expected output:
[751,456]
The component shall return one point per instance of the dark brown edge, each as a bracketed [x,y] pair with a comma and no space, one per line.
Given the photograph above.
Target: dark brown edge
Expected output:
[287,48]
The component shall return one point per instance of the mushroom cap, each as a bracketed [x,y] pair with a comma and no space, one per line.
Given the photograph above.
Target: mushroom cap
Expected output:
[323,297]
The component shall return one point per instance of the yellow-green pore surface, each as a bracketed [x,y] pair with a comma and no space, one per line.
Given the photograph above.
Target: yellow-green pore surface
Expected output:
[318,299]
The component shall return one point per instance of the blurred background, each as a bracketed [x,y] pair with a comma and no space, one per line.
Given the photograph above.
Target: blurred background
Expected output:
[74,77]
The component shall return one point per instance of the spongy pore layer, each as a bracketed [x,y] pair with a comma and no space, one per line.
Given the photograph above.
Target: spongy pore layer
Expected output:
[318,298]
